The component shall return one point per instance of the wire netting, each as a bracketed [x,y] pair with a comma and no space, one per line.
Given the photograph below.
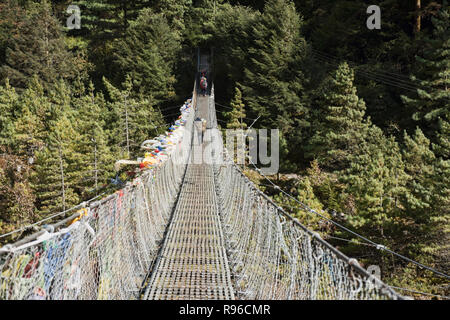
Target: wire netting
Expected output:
[108,251]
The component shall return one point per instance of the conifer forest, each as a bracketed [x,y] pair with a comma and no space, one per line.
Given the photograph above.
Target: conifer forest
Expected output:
[363,113]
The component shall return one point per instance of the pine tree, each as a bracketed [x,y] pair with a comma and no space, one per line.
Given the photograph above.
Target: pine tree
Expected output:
[97,163]
[148,54]
[339,121]
[375,180]
[440,222]
[199,22]
[232,38]
[174,10]
[10,14]
[38,48]
[237,114]
[31,127]
[57,173]
[56,176]
[433,75]
[108,19]
[269,85]
[419,165]
[8,106]
[16,196]
[305,194]
[135,118]
[442,146]
[273,81]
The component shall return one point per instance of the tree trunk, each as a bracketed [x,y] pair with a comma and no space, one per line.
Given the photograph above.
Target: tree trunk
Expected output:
[418,21]
[61,167]
[126,128]
[95,168]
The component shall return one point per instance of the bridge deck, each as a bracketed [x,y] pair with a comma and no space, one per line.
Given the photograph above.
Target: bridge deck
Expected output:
[193,262]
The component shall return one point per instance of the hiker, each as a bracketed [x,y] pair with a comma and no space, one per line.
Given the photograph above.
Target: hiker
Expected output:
[203,128]
[203,84]
[199,128]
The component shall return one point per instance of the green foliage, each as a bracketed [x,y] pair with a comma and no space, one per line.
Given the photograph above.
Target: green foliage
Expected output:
[442,147]
[10,13]
[148,53]
[199,22]
[326,187]
[232,37]
[8,105]
[37,47]
[135,120]
[338,120]
[108,19]
[97,163]
[433,75]
[273,82]
[305,194]
[56,174]
[174,10]
[419,165]
[375,180]
[30,124]
[237,113]
[16,196]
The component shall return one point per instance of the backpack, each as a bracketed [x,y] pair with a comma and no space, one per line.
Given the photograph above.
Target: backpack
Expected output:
[203,83]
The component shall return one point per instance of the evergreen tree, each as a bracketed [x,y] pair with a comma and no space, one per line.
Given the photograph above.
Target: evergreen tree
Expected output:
[31,127]
[8,106]
[419,165]
[237,113]
[232,38]
[10,14]
[199,22]
[148,53]
[38,48]
[56,177]
[108,19]
[440,222]
[375,180]
[268,80]
[338,121]
[442,146]
[174,10]
[273,80]
[304,193]
[135,119]
[433,75]
[97,163]
[16,196]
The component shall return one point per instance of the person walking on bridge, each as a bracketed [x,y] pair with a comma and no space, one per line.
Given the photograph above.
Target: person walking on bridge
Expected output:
[203,84]
[203,128]
[199,128]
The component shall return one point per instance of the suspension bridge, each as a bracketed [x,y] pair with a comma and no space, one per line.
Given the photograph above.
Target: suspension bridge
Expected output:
[184,228]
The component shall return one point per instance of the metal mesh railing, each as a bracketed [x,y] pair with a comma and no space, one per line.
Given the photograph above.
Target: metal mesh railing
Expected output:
[273,256]
[108,251]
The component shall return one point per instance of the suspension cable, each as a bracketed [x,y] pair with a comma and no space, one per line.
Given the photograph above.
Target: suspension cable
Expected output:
[377,245]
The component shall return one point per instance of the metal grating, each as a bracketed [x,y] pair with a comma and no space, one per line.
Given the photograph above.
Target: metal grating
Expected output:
[193,262]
